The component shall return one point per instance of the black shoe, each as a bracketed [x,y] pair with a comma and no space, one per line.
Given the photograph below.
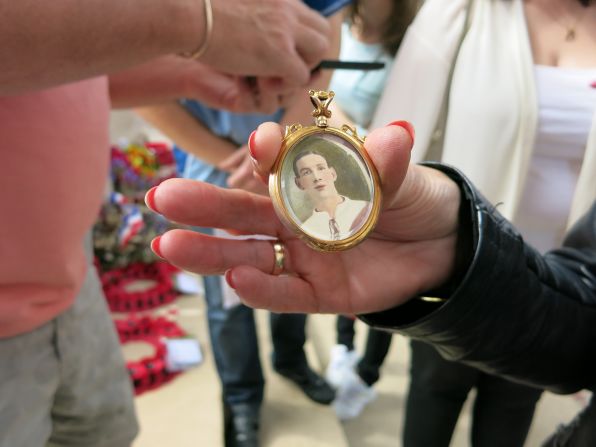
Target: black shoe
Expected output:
[241,425]
[313,385]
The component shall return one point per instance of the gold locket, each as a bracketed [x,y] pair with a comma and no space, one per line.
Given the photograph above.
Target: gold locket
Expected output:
[324,186]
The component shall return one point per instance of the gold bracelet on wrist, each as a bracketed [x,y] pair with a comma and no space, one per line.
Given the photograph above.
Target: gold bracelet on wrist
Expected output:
[208,32]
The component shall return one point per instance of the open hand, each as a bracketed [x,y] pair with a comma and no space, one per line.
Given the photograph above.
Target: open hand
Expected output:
[410,251]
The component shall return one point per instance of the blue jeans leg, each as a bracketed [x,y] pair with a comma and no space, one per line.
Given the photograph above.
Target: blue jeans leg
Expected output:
[235,347]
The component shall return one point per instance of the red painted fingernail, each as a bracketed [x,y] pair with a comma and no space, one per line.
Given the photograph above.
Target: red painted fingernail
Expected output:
[155,246]
[407,126]
[150,199]
[251,144]
[593,84]
[228,276]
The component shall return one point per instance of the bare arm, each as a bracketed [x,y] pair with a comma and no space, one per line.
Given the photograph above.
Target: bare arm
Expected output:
[188,133]
[60,41]
[49,43]
[171,77]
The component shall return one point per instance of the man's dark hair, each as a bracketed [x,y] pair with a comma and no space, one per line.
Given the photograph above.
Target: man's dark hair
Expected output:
[304,154]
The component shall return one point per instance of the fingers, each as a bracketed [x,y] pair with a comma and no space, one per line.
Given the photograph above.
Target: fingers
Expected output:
[267,94]
[208,255]
[233,161]
[246,102]
[313,34]
[283,294]
[221,91]
[248,182]
[200,204]
[275,93]
[243,177]
[264,100]
[267,38]
[311,46]
[390,148]
[211,87]
[247,265]
[240,167]
[264,147]
[267,99]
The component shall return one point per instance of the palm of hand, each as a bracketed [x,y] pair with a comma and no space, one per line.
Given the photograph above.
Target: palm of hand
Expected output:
[410,251]
[380,273]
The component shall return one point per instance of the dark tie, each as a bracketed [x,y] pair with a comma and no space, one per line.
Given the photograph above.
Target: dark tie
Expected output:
[334,229]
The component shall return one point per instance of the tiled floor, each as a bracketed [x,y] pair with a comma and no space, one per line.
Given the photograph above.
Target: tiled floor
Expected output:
[187,411]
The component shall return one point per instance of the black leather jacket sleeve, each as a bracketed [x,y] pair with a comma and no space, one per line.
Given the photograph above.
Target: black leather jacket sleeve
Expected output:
[515,313]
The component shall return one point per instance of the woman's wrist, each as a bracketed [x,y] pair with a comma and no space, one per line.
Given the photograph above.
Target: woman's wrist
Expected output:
[457,261]
[191,24]
[206,34]
[463,250]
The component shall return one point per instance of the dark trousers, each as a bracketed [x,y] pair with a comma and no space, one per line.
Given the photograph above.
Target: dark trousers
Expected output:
[288,337]
[345,331]
[502,413]
[236,350]
[377,347]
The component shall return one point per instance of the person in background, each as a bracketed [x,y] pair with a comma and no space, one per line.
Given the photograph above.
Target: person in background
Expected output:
[215,142]
[474,270]
[524,134]
[63,380]
[372,31]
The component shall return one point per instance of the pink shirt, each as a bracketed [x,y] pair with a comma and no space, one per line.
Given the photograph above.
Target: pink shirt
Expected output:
[55,157]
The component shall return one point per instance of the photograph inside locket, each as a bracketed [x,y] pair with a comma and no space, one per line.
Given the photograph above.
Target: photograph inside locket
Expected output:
[326,187]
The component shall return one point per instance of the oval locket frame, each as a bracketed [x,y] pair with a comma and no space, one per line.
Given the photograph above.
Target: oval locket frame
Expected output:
[328,165]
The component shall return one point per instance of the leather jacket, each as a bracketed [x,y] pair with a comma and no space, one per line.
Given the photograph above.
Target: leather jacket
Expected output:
[511,311]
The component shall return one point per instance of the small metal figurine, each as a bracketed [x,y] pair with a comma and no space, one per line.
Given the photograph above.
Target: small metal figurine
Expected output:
[323,185]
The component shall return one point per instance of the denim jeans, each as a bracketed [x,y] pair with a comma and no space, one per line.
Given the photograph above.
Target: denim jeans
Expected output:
[236,350]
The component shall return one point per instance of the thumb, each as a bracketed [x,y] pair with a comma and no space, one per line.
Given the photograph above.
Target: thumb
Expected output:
[389,148]
[264,145]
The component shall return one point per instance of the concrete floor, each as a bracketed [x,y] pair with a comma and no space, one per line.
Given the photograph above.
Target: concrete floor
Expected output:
[187,411]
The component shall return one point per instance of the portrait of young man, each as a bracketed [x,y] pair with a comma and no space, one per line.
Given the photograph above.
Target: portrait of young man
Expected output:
[333,215]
